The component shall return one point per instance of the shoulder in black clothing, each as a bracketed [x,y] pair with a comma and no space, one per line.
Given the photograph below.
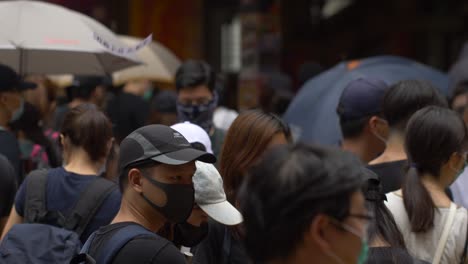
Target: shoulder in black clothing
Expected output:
[140,249]
[391,174]
[10,149]
[7,186]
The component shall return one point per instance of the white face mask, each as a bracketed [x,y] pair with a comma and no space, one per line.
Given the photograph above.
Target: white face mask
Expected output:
[380,138]
[377,135]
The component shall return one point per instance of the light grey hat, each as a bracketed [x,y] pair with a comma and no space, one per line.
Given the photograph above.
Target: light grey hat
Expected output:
[210,196]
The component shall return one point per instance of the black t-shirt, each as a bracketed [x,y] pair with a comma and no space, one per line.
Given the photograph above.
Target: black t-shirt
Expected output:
[391,255]
[10,149]
[127,112]
[391,174]
[7,186]
[220,247]
[139,250]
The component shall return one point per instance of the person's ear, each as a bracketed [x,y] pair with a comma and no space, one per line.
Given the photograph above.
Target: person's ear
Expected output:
[3,99]
[110,144]
[135,180]
[317,234]
[379,125]
[456,161]
[62,140]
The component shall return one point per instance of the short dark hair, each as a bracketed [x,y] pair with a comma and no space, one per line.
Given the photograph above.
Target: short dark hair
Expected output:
[290,186]
[432,136]
[404,98]
[89,128]
[353,128]
[193,73]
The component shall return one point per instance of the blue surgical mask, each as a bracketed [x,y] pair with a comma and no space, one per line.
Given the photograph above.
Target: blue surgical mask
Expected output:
[18,112]
[364,252]
[201,115]
[26,147]
[148,95]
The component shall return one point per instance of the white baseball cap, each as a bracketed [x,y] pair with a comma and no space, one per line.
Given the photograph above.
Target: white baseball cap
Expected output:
[210,196]
[194,133]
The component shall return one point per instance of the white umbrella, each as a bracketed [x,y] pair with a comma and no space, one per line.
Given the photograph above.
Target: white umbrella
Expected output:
[160,64]
[42,38]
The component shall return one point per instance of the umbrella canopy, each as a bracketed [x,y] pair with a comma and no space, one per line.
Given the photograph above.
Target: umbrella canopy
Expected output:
[459,70]
[42,38]
[160,64]
[312,114]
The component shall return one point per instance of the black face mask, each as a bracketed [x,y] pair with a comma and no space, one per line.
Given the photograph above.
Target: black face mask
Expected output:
[188,235]
[201,115]
[180,199]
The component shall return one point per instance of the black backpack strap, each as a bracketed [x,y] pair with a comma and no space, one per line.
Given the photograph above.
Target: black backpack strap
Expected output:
[35,209]
[118,240]
[465,249]
[88,204]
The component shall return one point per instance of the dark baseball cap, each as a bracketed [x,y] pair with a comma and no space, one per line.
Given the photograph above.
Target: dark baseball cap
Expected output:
[361,97]
[159,143]
[11,81]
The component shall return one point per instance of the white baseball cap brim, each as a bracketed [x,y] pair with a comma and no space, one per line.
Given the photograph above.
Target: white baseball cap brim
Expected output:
[223,213]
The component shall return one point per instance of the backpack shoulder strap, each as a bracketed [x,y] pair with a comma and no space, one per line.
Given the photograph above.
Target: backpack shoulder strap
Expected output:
[110,249]
[465,248]
[35,203]
[88,204]
[445,234]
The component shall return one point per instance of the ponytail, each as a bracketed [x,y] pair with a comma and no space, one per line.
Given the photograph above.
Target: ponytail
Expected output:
[418,202]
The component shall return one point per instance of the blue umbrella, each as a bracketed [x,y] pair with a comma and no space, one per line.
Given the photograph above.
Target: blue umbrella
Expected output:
[312,114]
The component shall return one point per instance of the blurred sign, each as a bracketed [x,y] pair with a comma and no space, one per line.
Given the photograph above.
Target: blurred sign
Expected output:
[119,50]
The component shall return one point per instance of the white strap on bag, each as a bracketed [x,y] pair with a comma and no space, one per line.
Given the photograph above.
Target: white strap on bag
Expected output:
[445,234]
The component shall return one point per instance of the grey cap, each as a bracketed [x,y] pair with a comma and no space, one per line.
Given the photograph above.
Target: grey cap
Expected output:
[159,143]
[210,196]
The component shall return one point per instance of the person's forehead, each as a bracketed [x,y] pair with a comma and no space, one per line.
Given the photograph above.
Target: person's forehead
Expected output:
[197,91]
[188,168]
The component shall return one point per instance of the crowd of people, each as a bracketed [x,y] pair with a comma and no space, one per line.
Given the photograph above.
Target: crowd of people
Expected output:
[135,175]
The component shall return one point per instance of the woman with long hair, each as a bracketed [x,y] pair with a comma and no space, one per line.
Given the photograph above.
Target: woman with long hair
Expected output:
[434,228]
[86,138]
[386,243]
[250,135]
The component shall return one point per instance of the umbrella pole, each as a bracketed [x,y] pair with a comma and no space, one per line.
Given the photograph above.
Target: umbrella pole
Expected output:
[21,62]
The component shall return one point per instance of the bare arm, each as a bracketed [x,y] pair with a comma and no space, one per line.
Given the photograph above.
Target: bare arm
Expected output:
[14,219]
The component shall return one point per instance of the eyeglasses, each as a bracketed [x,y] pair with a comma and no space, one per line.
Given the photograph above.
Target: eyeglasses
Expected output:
[367,217]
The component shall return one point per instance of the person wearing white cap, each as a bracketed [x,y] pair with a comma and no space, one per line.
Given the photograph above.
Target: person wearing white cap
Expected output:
[210,198]
[194,134]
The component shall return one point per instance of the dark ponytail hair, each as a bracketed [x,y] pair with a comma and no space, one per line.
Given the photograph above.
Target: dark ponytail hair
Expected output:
[433,134]
[383,224]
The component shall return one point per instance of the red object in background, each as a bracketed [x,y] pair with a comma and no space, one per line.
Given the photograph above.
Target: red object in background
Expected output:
[177,24]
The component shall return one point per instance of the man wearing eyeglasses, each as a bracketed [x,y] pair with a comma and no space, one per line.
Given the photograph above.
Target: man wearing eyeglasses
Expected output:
[197,99]
[304,204]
